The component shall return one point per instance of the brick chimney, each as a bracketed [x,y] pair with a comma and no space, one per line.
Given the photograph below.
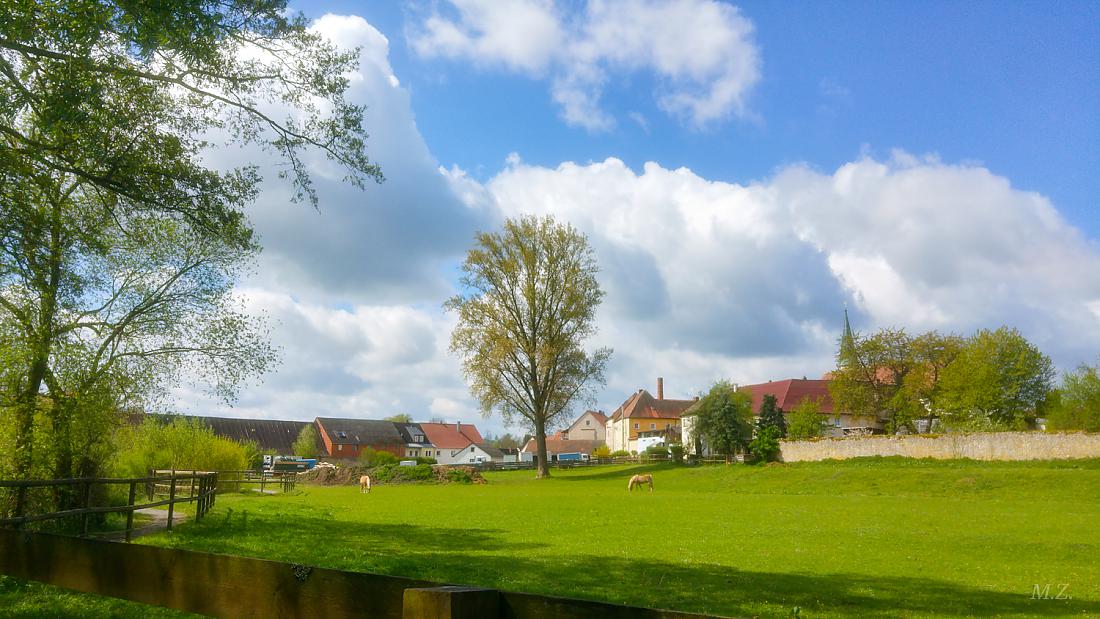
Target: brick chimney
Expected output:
[660,388]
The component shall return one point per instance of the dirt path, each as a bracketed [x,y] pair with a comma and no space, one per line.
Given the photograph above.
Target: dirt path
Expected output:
[158,524]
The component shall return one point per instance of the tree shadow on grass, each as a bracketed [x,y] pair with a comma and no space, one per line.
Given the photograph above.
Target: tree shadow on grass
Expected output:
[483,557]
[624,474]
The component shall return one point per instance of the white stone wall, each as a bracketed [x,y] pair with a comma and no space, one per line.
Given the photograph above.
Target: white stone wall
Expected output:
[977,446]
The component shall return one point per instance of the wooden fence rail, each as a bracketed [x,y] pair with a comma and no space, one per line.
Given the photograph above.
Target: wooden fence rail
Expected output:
[284,481]
[202,487]
[229,586]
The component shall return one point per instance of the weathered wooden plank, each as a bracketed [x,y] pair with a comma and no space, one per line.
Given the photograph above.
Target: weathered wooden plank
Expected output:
[210,584]
[451,602]
[230,586]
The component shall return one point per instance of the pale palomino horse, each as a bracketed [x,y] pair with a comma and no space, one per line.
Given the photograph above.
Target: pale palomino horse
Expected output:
[364,484]
[640,480]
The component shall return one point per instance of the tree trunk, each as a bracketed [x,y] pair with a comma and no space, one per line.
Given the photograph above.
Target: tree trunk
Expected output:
[540,445]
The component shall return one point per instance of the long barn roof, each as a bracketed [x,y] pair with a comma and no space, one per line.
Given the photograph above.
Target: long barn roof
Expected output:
[270,434]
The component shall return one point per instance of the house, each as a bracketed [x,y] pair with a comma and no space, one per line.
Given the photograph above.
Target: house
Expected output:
[347,438]
[558,444]
[592,426]
[417,444]
[643,416]
[791,392]
[509,454]
[458,443]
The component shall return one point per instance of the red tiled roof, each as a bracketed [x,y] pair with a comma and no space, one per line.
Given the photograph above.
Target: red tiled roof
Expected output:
[789,393]
[452,436]
[602,418]
[644,405]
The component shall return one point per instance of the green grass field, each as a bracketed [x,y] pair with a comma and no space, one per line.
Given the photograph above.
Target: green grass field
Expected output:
[878,537]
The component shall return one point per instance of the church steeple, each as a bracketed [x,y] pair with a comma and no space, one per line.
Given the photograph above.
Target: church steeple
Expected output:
[847,341]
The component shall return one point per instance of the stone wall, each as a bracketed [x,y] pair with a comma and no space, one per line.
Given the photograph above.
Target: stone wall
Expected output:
[978,446]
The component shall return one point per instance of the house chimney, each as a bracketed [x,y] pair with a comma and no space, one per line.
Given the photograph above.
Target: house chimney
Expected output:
[660,388]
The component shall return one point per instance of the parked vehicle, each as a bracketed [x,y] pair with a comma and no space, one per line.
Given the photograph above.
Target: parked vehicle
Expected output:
[573,457]
[289,463]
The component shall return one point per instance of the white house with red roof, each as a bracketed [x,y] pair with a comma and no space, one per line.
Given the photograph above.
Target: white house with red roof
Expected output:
[643,416]
[458,443]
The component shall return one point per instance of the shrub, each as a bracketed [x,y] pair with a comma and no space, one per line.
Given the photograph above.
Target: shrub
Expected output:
[620,453]
[656,450]
[398,473]
[765,447]
[459,476]
[603,451]
[425,460]
[805,420]
[677,452]
[383,458]
[183,444]
[366,456]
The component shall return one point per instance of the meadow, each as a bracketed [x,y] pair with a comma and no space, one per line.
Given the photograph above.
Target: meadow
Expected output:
[870,537]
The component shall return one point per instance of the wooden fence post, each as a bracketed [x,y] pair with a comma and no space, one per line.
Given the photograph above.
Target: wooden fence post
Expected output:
[451,602]
[171,499]
[130,514]
[85,505]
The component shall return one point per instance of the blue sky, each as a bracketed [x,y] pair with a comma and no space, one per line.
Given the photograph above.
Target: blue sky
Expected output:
[743,172]
[1015,86]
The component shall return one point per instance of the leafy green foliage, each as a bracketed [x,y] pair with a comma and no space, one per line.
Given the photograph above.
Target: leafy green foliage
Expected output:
[182,444]
[529,303]
[806,420]
[601,451]
[869,374]
[770,415]
[305,445]
[724,420]
[620,453]
[400,418]
[398,473]
[1078,401]
[765,445]
[370,456]
[999,380]
[677,451]
[459,476]
[424,460]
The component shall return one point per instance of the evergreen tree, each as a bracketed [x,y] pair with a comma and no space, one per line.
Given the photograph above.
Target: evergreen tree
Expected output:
[771,416]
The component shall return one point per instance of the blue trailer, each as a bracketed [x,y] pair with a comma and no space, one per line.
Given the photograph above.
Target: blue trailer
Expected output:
[575,456]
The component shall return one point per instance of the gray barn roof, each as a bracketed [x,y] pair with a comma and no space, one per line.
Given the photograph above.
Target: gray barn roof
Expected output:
[269,434]
[360,431]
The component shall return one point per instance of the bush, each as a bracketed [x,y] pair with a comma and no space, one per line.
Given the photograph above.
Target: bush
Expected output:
[657,450]
[765,447]
[183,444]
[603,451]
[620,453]
[459,476]
[425,460]
[398,473]
[383,458]
[677,452]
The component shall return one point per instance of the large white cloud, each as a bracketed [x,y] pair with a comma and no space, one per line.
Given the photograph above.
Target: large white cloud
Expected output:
[701,51]
[705,279]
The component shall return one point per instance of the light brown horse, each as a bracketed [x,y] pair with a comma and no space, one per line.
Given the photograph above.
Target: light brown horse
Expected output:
[639,480]
[364,484]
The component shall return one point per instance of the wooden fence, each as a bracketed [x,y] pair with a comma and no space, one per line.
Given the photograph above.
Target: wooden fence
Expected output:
[201,488]
[229,586]
[283,481]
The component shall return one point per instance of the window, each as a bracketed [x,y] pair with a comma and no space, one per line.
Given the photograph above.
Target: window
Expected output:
[472,449]
[339,448]
[668,425]
[652,426]
[418,439]
[587,422]
[635,426]
[836,422]
[341,435]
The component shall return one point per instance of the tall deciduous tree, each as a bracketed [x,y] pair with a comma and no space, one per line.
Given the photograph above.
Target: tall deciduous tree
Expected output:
[723,419]
[119,245]
[305,445]
[806,420]
[922,390]
[528,306]
[869,375]
[1078,406]
[998,380]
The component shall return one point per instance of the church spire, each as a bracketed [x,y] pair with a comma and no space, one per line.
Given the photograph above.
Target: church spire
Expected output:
[847,341]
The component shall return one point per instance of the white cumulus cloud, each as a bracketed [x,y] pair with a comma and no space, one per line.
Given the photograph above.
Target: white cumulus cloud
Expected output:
[701,52]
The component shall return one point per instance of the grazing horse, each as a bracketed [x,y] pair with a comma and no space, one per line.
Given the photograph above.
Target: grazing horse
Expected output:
[364,484]
[639,480]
